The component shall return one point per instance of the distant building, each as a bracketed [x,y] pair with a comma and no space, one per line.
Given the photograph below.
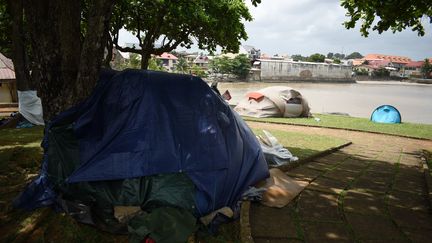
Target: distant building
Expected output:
[202,61]
[190,58]
[252,52]
[398,61]
[8,92]
[168,61]
[371,62]
[413,69]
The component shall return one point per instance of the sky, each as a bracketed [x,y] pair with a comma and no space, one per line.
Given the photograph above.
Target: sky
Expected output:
[288,27]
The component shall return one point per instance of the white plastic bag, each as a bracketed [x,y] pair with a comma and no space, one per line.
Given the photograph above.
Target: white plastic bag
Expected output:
[30,106]
[274,152]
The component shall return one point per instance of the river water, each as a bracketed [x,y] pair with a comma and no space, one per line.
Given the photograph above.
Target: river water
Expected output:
[414,101]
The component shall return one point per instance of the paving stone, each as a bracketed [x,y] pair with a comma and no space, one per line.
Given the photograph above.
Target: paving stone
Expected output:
[383,167]
[271,222]
[319,166]
[378,176]
[327,185]
[353,164]
[315,205]
[410,171]
[342,175]
[418,234]
[329,161]
[325,232]
[304,173]
[370,185]
[408,218]
[335,157]
[413,201]
[415,185]
[275,240]
[373,227]
[386,156]
[364,203]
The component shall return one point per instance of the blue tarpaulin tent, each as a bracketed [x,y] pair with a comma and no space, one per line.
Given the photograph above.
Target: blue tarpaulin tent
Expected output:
[138,124]
[386,114]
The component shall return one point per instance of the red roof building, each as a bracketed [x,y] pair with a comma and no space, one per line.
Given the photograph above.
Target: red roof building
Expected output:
[392,59]
[414,64]
[168,61]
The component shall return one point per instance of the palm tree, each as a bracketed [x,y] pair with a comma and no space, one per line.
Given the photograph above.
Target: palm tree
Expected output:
[182,65]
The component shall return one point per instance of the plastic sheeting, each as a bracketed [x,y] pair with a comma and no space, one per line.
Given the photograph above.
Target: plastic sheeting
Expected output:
[143,123]
[273,101]
[30,106]
[274,152]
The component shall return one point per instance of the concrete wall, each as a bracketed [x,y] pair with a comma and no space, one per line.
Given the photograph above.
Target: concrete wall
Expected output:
[304,71]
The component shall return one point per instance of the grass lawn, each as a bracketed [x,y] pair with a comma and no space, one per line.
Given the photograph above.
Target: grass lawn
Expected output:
[304,145]
[354,123]
[20,158]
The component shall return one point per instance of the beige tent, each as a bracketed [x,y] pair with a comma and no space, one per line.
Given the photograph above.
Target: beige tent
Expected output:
[274,101]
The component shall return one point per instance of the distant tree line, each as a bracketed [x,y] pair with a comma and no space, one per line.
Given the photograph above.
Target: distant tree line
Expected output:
[317,57]
[238,66]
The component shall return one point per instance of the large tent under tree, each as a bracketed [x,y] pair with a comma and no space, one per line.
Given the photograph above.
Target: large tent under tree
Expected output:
[163,146]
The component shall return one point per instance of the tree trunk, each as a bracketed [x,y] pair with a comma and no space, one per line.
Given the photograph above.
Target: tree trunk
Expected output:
[93,48]
[145,59]
[15,8]
[65,70]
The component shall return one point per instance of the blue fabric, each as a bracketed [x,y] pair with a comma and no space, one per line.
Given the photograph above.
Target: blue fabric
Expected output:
[139,123]
[386,114]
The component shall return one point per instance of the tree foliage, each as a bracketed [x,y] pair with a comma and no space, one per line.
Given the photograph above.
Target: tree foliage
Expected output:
[198,71]
[238,66]
[381,72]
[339,56]
[221,65]
[176,23]
[156,65]
[316,58]
[5,35]
[134,61]
[298,57]
[426,69]
[354,55]
[391,14]
[241,66]
[182,66]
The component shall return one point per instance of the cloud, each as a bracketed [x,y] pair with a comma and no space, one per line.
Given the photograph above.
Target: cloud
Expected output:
[309,26]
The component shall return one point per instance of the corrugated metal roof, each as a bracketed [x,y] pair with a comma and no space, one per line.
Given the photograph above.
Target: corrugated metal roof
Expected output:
[6,62]
[6,68]
[6,73]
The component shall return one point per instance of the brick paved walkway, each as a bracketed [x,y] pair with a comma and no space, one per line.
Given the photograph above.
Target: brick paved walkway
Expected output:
[371,191]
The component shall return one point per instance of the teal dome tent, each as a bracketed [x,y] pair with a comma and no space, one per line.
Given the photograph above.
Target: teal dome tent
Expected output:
[386,114]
